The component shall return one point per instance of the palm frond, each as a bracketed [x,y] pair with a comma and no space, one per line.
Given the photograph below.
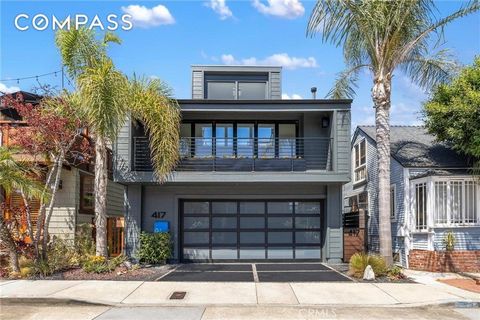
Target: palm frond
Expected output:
[429,71]
[104,94]
[15,175]
[151,103]
[345,83]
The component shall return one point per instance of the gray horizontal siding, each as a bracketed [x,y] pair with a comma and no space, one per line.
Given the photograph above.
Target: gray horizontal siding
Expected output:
[467,238]
[342,123]
[197,85]
[420,241]
[115,199]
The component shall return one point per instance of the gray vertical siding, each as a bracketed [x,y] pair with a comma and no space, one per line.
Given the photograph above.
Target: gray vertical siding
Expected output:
[334,237]
[342,141]
[122,151]
[275,80]
[198,91]
[133,218]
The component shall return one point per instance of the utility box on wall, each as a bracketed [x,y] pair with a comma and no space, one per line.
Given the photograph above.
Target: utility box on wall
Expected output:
[161,226]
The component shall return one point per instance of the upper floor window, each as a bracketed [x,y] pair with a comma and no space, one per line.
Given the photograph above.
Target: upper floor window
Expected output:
[236,87]
[360,161]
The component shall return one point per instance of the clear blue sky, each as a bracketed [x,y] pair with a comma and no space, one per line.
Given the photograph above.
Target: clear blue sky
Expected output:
[166,41]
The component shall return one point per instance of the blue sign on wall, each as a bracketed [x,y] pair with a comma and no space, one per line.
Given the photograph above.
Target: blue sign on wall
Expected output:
[161,226]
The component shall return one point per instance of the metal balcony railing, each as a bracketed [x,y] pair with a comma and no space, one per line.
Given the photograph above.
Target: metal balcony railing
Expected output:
[243,154]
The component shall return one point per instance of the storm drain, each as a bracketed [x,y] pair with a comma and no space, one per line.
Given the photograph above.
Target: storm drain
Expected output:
[178,295]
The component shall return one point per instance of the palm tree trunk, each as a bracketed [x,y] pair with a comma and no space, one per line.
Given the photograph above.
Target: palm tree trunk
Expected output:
[101,176]
[41,213]
[381,99]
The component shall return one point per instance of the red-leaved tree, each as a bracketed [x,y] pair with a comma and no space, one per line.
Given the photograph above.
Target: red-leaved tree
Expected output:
[52,134]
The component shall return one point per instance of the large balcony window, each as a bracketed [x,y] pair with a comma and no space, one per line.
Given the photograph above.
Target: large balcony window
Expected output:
[229,145]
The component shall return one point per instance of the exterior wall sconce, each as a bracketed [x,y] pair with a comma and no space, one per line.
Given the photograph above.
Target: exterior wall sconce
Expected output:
[325,122]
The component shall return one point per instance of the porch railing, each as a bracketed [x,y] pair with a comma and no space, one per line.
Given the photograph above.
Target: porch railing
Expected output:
[243,154]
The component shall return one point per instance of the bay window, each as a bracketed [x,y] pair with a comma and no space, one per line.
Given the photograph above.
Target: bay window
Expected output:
[455,202]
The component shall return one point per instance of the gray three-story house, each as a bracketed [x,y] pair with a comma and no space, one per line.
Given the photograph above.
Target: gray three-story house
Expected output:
[260,178]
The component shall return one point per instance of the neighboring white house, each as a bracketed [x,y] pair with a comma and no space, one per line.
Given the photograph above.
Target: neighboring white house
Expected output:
[432,191]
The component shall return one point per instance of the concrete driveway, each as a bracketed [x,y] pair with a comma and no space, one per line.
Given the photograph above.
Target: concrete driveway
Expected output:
[254,272]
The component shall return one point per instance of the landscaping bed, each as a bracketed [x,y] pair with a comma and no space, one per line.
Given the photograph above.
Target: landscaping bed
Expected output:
[344,269]
[143,273]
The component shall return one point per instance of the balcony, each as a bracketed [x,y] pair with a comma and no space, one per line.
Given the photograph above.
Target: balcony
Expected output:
[243,154]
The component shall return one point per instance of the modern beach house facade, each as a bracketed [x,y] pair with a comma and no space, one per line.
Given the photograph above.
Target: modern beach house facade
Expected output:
[260,178]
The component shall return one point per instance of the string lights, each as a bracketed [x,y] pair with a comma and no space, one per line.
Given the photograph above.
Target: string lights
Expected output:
[33,77]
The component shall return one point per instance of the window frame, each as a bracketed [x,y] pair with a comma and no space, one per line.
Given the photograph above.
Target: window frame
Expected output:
[393,202]
[432,215]
[83,209]
[360,167]
[425,225]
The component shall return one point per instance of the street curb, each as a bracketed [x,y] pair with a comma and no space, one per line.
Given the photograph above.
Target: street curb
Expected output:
[458,304]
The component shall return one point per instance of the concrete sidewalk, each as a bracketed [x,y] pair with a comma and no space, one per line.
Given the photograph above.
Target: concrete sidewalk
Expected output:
[137,293]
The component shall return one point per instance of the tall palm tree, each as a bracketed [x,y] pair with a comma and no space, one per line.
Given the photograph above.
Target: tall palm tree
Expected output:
[107,98]
[385,37]
[14,176]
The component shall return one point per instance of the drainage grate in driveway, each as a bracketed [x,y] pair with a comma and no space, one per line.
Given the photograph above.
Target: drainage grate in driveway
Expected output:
[178,295]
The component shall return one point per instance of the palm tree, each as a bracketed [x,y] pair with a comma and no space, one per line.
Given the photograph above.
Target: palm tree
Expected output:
[14,176]
[385,37]
[107,98]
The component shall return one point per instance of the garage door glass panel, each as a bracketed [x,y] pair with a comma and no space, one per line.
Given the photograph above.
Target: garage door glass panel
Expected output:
[307,237]
[191,253]
[226,253]
[280,253]
[224,237]
[224,207]
[196,207]
[192,223]
[224,223]
[279,237]
[307,253]
[280,207]
[249,253]
[252,207]
[280,222]
[252,223]
[307,207]
[307,222]
[195,238]
[252,237]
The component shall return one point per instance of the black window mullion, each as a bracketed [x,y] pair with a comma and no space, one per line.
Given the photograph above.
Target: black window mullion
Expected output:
[235,143]
[210,233]
[238,228]
[293,230]
[193,140]
[277,144]
[265,230]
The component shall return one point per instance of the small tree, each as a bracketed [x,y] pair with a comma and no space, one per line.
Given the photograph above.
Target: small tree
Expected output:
[52,137]
[453,112]
[14,176]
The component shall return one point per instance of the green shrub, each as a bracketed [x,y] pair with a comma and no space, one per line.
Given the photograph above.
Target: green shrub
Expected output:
[395,272]
[359,261]
[95,264]
[84,244]
[449,241]
[155,247]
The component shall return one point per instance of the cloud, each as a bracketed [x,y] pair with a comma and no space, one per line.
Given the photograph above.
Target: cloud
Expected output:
[293,96]
[286,9]
[278,59]
[220,7]
[149,17]
[5,89]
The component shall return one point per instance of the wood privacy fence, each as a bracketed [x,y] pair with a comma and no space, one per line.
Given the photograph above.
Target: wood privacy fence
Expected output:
[354,233]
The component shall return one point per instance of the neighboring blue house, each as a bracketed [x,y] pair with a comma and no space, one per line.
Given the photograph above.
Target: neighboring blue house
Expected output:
[432,191]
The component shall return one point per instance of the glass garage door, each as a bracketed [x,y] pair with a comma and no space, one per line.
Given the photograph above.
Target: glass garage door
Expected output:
[251,230]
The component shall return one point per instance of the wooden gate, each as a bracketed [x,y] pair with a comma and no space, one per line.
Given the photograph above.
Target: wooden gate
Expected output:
[354,233]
